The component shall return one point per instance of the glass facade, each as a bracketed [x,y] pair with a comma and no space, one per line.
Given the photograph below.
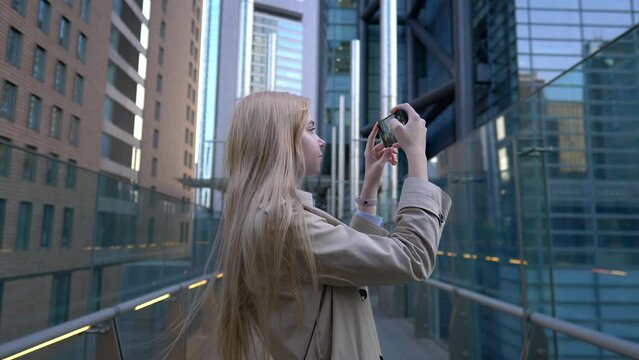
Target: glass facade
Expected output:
[526,43]
[288,54]
[546,212]
[341,28]
[543,194]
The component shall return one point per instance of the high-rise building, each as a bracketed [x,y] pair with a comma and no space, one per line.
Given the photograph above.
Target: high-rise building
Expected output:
[206,142]
[272,45]
[98,100]
[53,78]
[568,136]
[61,50]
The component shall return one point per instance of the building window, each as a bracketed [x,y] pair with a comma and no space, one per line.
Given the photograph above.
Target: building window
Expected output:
[52,170]
[39,63]
[164,5]
[186,158]
[69,2]
[64,33]
[150,231]
[35,109]
[110,75]
[81,49]
[3,212]
[153,197]
[23,231]
[67,227]
[55,130]
[78,88]
[74,131]
[158,84]
[9,99]
[85,7]
[14,47]
[20,6]
[184,226]
[5,156]
[72,173]
[44,16]
[29,164]
[186,135]
[60,299]
[47,226]
[105,148]
[156,138]
[154,167]
[96,289]
[161,56]
[158,109]
[108,109]
[163,30]
[60,81]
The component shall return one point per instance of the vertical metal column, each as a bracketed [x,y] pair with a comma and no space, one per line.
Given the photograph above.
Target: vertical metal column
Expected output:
[363,80]
[355,142]
[464,100]
[245,48]
[332,204]
[388,89]
[341,158]
[410,63]
[272,56]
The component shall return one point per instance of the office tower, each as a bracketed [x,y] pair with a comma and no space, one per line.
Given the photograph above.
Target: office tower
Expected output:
[97,101]
[568,150]
[281,38]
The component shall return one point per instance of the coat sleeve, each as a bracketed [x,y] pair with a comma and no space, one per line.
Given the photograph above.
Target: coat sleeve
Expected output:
[363,254]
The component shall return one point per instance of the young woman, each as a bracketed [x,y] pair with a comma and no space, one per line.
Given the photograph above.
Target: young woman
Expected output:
[295,277]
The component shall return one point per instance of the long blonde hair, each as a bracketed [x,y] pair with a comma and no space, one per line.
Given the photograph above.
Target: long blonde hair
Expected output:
[266,247]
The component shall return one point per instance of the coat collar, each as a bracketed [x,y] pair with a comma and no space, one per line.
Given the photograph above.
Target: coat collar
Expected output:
[306,197]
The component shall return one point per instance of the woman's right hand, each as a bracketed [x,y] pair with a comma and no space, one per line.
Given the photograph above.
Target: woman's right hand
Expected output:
[412,136]
[412,139]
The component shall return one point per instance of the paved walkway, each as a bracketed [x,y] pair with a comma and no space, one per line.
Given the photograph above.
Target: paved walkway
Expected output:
[398,342]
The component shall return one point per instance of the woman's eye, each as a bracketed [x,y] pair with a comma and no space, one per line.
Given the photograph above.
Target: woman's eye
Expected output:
[311,129]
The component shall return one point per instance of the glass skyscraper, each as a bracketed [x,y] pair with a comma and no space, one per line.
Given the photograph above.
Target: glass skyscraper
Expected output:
[286,72]
[572,192]
[206,118]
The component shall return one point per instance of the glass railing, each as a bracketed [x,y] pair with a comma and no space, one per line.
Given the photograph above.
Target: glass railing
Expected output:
[153,326]
[73,242]
[545,216]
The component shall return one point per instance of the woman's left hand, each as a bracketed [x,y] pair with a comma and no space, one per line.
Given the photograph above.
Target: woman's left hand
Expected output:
[375,158]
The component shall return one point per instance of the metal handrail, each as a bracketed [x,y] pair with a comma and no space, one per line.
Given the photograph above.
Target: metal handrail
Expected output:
[608,342]
[18,345]
[612,343]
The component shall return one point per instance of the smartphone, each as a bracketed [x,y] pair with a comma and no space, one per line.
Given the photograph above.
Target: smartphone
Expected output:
[385,129]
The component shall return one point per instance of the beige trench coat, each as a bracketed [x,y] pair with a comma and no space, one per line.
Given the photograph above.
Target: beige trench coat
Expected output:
[337,321]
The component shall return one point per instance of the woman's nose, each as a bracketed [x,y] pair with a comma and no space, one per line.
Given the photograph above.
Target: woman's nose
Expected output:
[321,142]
